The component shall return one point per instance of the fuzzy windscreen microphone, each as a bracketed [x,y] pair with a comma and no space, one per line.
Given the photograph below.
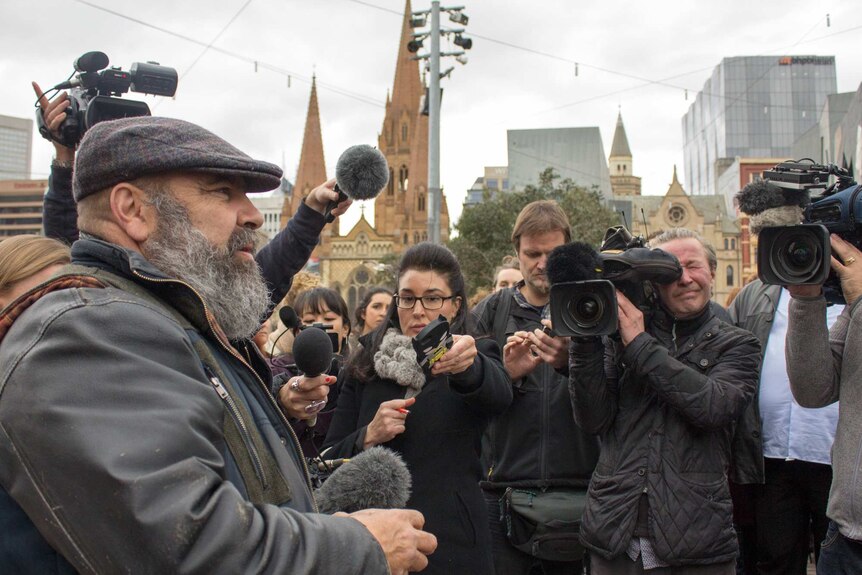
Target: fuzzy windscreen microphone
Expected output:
[377,478]
[574,262]
[361,172]
[767,205]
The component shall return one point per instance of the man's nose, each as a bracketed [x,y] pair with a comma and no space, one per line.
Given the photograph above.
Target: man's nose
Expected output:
[248,215]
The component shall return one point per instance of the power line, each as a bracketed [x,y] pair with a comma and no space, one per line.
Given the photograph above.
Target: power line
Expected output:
[257,63]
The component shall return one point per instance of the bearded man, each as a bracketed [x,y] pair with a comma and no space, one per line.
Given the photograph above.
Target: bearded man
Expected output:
[138,432]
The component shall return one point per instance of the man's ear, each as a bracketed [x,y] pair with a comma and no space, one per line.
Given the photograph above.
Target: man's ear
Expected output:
[132,211]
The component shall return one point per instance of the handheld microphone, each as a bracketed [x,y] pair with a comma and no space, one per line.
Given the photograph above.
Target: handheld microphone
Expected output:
[312,352]
[377,478]
[361,174]
[574,262]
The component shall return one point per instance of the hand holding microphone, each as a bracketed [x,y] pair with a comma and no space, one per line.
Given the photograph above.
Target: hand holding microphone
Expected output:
[305,395]
[360,174]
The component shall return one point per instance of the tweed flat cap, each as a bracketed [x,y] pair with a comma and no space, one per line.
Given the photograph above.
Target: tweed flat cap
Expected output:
[123,150]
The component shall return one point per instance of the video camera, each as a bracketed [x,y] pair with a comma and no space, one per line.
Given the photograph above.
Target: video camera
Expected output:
[584,282]
[800,254]
[94,94]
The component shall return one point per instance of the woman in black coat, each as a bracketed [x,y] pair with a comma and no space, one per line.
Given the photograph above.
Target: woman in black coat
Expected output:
[436,421]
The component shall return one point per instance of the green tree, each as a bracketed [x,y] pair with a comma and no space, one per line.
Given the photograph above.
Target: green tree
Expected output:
[485,230]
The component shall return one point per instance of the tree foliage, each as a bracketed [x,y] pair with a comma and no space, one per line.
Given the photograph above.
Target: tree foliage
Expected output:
[485,230]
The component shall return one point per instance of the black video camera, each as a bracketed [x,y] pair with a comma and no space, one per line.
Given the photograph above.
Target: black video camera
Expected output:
[589,307]
[95,90]
[800,254]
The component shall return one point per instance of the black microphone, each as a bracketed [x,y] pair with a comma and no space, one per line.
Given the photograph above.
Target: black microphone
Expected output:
[312,352]
[288,317]
[573,262]
[91,62]
[361,173]
[377,478]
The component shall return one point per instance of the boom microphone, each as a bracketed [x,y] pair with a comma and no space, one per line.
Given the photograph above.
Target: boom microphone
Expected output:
[361,174]
[377,478]
[574,262]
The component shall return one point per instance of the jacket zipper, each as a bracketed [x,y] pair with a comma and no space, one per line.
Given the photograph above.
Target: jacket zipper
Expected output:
[234,411]
[267,393]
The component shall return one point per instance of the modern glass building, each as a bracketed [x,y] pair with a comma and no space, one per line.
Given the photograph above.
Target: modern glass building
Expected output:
[752,107]
[16,141]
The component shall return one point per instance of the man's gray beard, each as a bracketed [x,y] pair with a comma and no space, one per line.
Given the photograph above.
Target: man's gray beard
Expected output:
[234,291]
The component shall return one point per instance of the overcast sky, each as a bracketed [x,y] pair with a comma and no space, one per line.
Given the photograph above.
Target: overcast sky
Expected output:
[637,57]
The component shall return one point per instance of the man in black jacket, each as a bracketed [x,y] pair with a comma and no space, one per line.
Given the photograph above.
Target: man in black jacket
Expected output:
[138,432]
[535,444]
[664,398]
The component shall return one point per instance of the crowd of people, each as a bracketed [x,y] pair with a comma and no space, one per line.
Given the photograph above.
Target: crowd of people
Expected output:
[153,417]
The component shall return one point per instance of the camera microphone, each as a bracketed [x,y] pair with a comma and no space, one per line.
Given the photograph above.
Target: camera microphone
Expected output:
[377,478]
[361,174]
[574,262]
[768,205]
[91,62]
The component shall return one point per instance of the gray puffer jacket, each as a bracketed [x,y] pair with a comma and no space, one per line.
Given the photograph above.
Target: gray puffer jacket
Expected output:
[664,407]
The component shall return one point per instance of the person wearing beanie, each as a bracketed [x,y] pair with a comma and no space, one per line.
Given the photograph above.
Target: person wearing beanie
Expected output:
[138,431]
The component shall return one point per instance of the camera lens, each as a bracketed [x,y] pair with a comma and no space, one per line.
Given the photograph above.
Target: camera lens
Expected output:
[796,256]
[586,309]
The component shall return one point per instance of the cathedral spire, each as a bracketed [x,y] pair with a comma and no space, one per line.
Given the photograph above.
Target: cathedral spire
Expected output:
[312,165]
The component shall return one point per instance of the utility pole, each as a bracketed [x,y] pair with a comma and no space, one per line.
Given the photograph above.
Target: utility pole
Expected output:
[419,19]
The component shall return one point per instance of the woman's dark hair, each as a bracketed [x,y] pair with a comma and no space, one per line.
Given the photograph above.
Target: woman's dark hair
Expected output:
[314,300]
[363,303]
[424,256]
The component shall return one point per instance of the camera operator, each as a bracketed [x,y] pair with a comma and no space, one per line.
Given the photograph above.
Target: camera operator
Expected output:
[59,213]
[825,365]
[664,398]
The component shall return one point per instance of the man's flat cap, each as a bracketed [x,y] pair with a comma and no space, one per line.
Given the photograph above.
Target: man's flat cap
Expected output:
[123,150]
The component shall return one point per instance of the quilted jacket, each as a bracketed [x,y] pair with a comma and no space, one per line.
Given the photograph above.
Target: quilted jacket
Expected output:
[664,407]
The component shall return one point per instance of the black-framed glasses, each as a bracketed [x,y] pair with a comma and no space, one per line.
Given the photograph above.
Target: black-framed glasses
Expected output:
[428,301]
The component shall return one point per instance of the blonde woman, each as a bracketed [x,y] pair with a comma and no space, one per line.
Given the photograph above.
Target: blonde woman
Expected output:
[26,261]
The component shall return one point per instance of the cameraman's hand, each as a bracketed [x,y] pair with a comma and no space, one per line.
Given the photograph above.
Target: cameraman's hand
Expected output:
[54,114]
[849,272]
[399,533]
[550,349]
[302,397]
[631,319]
[318,198]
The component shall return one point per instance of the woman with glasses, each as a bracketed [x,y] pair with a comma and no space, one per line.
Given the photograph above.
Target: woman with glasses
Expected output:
[436,421]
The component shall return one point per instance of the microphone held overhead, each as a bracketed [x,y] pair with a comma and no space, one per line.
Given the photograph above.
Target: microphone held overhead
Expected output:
[361,174]
[377,478]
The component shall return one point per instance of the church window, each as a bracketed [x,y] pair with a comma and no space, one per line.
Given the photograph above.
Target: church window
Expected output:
[402,178]
[415,237]
[421,202]
[729,276]
[733,243]
[390,185]
[726,244]
[406,239]
[676,215]
[403,133]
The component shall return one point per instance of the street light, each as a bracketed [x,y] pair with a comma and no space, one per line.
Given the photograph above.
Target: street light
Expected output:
[456,15]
